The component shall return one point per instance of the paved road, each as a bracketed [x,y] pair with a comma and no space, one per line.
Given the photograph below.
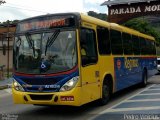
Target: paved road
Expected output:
[130,103]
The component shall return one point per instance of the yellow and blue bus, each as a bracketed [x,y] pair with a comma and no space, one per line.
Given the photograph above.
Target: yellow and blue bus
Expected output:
[73,59]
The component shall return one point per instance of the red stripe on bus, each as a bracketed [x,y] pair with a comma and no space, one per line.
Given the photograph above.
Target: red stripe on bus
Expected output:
[46,75]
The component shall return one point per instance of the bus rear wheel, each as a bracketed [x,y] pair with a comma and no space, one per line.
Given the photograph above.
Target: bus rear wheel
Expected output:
[105,93]
[144,79]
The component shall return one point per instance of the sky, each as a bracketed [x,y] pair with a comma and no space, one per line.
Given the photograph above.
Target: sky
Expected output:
[21,9]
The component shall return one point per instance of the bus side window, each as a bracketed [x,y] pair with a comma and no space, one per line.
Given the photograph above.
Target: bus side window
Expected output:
[153,44]
[148,47]
[152,47]
[127,44]
[143,44]
[157,49]
[88,46]
[116,42]
[103,41]
[136,47]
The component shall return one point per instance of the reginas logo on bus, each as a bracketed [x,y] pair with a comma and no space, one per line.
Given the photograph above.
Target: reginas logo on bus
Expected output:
[131,63]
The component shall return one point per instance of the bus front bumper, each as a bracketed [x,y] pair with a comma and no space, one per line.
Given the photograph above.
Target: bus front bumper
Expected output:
[71,98]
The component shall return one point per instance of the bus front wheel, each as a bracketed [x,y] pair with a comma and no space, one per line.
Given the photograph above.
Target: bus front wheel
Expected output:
[105,93]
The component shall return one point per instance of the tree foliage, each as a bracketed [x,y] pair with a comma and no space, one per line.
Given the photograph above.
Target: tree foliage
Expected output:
[10,22]
[101,16]
[143,26]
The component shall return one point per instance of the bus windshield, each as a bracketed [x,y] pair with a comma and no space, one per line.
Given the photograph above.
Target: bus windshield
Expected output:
[45,52]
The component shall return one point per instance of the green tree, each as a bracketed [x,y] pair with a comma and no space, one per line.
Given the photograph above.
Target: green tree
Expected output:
[143,26]
[101,16]
[10,22]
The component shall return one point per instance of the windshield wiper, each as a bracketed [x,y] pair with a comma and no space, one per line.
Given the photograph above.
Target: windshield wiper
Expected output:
[51,40]
[18,42]
[30,42]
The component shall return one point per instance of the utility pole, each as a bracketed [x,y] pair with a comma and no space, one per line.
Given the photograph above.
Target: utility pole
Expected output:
[8,38]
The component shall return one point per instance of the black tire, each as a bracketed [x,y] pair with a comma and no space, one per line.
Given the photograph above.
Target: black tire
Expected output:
[106,94]
[144,79]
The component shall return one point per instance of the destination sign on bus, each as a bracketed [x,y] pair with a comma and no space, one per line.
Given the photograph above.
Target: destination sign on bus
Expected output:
[45,24]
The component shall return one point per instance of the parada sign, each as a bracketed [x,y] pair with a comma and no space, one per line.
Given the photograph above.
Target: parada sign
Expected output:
[133,10]
[120,13]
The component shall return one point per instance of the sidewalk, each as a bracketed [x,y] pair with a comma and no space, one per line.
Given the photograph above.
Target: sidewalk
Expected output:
[5,83]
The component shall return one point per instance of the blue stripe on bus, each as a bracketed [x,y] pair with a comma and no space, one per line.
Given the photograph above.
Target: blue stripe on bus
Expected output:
[33,84]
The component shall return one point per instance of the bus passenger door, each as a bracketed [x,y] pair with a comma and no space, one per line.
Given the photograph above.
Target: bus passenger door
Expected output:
[89,65]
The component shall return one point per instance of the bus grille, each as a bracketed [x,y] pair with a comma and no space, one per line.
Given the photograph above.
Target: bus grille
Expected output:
[41,97]
[36,89]
[46,81]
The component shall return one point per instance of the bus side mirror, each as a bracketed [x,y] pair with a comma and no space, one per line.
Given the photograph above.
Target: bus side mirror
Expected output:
[4,49]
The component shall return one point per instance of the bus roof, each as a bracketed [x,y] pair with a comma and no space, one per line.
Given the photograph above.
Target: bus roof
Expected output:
[132,31]
[94,20]
[114,26]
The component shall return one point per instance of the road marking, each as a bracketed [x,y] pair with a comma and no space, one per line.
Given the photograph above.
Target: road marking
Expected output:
[153,89]
[149,94]
[130,109]
[157,85]
[111,108]
[143,100]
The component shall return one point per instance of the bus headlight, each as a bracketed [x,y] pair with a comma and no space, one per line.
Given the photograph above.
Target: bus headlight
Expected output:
[69,84]
[17,86]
